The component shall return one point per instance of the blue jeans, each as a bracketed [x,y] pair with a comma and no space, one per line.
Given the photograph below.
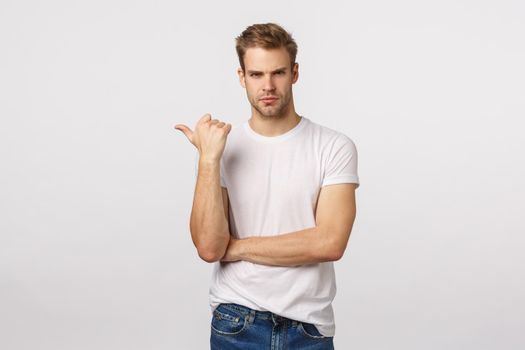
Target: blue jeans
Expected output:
[235,326]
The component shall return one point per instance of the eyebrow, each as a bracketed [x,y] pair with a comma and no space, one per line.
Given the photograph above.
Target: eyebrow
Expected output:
[276,70]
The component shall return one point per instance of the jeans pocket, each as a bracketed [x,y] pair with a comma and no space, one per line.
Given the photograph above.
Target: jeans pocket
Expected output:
[228,321]
[310,331]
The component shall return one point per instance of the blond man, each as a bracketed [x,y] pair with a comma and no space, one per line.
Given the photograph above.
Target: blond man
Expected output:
[273,208]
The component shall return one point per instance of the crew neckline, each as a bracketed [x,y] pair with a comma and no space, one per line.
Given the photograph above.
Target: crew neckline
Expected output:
[272,139]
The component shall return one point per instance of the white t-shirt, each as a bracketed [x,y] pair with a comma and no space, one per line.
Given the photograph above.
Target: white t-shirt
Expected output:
[273,184]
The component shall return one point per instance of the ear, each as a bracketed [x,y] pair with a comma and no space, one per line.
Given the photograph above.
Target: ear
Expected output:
[295,72]
[240,73]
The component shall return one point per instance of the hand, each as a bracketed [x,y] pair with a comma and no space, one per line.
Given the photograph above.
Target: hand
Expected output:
[209,136]
[232,252]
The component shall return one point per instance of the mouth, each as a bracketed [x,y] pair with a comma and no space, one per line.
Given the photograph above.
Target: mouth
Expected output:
[269,99]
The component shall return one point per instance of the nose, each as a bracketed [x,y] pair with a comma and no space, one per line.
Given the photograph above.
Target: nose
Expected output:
[268,84]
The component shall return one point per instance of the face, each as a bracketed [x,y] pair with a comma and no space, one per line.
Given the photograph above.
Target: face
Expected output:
[268,80]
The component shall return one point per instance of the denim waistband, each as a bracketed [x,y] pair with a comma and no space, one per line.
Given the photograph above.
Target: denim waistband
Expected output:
[251,314]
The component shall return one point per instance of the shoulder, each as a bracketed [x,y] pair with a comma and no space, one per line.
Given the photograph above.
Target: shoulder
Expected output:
[330,137]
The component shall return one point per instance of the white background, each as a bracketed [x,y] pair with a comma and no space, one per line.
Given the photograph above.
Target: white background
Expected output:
[96,186]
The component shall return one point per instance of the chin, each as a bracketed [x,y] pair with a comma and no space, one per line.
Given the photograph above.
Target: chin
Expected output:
[274,116]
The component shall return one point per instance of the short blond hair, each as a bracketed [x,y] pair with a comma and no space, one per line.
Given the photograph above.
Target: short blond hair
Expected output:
[266,36]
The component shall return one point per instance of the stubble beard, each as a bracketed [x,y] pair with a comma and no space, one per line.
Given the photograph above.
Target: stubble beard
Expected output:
[275,112]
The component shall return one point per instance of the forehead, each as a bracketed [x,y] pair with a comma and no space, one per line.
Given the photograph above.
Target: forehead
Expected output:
[257,58]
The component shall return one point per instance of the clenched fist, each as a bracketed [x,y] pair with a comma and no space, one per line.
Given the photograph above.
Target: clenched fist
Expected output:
[209,136]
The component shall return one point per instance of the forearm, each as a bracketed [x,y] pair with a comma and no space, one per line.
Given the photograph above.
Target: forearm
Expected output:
[290,249]
[208,224]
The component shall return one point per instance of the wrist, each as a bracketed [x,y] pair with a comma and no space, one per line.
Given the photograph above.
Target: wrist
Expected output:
[209,160]
[234,250]
[238,246]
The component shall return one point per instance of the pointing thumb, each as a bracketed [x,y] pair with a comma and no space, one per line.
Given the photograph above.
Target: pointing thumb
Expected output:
[187,131]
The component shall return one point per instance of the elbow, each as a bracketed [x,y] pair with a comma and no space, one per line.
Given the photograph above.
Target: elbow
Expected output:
[338,243]
[335,251]
[336,255]
[211,247]
[210,256]
[333,254]
[212,252]
[330,254]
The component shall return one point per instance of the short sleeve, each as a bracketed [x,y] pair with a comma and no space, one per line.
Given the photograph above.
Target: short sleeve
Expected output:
[222,181]
[341,165]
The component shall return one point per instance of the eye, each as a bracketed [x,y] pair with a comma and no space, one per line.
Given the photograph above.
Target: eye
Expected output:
[255,74]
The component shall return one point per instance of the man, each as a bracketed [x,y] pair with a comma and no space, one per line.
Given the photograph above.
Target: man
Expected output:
[273,208]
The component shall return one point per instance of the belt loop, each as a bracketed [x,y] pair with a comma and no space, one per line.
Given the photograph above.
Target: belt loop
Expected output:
[251,316]
[276,319]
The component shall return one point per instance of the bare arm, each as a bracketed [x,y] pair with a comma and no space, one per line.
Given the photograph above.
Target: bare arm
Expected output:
[327,241]
[209,217]
[209,221]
